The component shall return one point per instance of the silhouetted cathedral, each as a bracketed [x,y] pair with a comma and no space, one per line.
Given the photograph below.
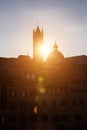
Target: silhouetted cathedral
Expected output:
[48,95]
[37,43]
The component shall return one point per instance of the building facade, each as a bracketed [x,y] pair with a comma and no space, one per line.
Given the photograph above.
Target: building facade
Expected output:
[47,95]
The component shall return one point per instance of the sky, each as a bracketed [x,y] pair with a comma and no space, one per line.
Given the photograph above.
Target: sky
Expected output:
[63,21]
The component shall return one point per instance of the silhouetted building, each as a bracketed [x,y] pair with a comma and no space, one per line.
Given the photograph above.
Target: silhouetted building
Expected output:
[47,95]
[37,44]
[55,56]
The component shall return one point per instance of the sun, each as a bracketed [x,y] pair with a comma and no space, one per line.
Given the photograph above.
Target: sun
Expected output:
[45,50]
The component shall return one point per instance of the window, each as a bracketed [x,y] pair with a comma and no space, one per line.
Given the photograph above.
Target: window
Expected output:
[79,81]
[58,90]
[33,76]
[85,82]
[3,119]
[23,93]
[28,76]
[13,92]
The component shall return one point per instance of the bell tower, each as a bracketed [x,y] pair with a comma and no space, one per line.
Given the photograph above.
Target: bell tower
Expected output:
[37,43]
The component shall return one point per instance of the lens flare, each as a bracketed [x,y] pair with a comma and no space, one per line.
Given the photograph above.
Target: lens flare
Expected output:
[40,79]
[42,90]
[35,109]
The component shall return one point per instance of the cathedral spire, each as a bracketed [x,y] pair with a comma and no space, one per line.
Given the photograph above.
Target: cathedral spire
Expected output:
[38,29]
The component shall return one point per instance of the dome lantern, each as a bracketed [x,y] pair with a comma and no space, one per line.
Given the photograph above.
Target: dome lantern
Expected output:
[55,47]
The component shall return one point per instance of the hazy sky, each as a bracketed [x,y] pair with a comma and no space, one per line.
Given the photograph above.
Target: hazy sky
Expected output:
[63,21]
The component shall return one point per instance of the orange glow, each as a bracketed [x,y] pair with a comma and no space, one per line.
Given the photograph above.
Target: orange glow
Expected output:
[40,79]
[35,109]
[45,51]
[42,90]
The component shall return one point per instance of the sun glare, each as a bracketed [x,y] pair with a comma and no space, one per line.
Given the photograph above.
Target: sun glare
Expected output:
[45,51]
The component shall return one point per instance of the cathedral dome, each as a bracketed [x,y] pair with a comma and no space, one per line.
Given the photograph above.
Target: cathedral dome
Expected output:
[55,55]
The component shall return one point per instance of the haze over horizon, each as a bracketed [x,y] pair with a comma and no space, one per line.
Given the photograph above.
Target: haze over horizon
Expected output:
[63,21]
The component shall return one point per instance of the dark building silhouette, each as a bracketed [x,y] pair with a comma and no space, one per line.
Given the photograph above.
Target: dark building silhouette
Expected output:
[37,43]
[55,55]
[47,95]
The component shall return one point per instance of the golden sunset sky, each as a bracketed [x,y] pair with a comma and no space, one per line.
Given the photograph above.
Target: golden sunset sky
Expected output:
[63,21]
